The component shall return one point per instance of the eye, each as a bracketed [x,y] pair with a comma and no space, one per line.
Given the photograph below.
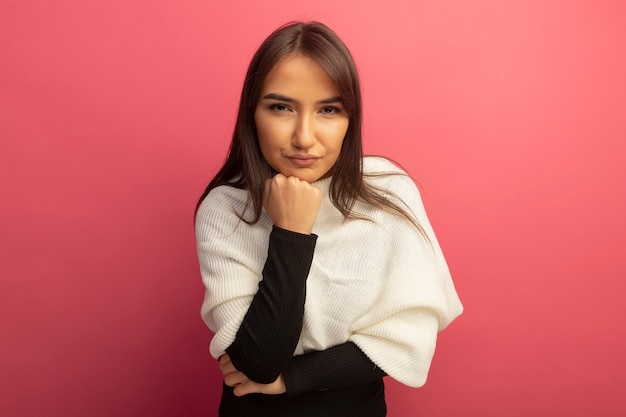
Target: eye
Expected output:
[279,107]
[329,110]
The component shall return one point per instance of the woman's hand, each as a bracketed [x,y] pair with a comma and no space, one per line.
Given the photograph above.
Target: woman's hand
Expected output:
[242,385]
[291,203]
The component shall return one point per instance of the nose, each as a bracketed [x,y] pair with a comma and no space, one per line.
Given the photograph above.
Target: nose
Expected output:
[304,134]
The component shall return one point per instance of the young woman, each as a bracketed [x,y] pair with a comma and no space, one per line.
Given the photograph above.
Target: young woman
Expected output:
[322,272]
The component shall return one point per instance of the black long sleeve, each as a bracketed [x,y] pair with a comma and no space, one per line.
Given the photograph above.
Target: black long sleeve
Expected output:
[264,345]
[270,330]
[340,366]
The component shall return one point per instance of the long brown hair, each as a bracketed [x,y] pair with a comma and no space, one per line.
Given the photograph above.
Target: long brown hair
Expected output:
[245,167]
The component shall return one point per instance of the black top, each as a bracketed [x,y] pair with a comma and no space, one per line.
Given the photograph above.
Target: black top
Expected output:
[339,381]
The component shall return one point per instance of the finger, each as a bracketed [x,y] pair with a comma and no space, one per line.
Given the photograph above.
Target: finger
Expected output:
[316,191]
[228,369]
[226,365]
[235,379]
[244,388]
[224,359]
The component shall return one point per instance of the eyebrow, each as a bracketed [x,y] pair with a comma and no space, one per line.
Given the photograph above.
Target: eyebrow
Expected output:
[280,97]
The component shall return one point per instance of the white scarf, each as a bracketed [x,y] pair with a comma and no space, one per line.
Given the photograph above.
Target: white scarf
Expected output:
[378,283]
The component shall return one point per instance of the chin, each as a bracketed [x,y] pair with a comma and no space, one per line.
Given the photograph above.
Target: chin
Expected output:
[302,176]
[307,178]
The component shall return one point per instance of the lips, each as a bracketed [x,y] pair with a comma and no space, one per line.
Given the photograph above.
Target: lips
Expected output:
[303,160]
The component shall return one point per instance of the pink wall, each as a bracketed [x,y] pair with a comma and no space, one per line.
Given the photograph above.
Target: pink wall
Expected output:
[114,115]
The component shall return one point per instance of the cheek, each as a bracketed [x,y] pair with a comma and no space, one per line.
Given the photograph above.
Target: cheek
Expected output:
[271,133]
[335,136]
[269,140]
[264,133]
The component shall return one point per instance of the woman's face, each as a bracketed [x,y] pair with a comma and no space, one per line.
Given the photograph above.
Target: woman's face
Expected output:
[300,119]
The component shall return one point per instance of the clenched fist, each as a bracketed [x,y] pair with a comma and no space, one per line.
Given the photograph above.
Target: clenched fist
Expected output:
[291,203]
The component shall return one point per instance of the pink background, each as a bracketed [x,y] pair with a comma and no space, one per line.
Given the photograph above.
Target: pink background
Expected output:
[114,115]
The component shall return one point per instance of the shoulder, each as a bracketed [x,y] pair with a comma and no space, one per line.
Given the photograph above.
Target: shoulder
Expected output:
[379,165]
[393,183]
[221,196]
[223,207]
[388,176]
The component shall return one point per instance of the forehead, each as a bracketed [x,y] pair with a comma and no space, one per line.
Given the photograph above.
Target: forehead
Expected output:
[298,74]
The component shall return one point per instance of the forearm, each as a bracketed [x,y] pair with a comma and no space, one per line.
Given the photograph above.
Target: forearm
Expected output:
[270,330]
[336,367]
